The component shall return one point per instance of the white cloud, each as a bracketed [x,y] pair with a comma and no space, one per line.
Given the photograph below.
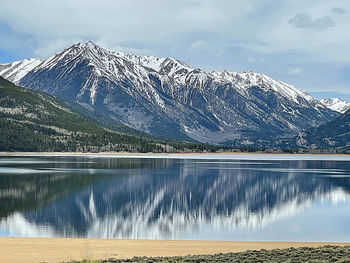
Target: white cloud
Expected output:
[47,48]
[121,20]
[127,49]
[145,25]
[199,45]
[256,59]
[294,71]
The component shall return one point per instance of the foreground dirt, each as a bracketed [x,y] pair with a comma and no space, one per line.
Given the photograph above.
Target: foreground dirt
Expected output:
[53,250]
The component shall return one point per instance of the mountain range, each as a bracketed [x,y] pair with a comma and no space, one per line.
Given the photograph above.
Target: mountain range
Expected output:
[166,97]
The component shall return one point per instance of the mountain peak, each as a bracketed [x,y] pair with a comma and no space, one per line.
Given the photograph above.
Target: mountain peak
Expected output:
[88,44]
[91,45]
[336,104]
[332,100]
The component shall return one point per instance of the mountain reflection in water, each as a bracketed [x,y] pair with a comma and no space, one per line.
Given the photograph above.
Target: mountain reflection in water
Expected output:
[173,198]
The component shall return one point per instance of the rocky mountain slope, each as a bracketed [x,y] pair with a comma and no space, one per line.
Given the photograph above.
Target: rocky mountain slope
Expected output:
[164,96]
[336,104]
[36,121]
[332,135]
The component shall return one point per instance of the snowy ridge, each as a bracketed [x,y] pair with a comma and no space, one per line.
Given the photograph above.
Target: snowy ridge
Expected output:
[118,65]
[15,71]
[248,79]
[336,104]
[111,63]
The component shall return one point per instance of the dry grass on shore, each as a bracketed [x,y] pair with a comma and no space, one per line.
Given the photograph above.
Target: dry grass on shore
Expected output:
[324,254]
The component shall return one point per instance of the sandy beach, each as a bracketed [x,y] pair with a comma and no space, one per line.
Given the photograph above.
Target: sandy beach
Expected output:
[54,250]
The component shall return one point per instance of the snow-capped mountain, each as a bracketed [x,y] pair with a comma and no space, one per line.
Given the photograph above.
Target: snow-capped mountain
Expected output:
[164,96]
[336,104]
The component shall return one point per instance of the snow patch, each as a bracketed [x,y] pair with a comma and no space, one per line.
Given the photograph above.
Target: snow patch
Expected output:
[15,71]
[336,104]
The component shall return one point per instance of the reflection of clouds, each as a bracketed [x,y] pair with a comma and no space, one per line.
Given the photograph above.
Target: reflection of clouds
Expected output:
[335,197]
[141,224]
[10,170]
[18,225]
[4,161]
[284,170]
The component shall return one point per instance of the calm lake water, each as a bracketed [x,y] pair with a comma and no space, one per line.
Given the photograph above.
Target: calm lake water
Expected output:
[168,198]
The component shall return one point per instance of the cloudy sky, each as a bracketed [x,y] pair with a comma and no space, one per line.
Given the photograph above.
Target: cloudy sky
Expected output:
[305,43]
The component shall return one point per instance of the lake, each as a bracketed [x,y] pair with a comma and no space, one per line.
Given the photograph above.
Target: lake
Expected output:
[213,197]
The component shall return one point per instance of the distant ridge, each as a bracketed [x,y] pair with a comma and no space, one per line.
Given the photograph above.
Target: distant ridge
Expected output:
[336,104]
[332,135]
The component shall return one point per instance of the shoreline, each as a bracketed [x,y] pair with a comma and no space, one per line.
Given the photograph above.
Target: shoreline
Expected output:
[175,153]
[54,250]
[204,155]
